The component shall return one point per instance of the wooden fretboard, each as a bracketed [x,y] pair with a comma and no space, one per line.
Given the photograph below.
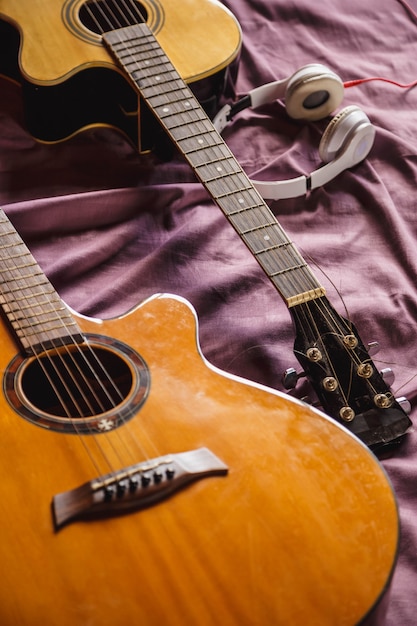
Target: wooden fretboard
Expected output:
[31,305]
[184,120]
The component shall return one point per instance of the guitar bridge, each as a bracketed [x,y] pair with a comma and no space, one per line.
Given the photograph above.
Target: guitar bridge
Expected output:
[135,487]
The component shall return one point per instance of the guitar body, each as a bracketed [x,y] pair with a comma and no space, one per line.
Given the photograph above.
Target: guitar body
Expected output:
[70,81]
[303,528]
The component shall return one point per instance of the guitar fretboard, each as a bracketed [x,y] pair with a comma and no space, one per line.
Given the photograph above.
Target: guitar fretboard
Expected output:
[31,305]
[184,120]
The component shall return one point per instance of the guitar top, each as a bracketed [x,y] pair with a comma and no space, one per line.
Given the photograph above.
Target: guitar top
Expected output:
[140,485]
[56,44]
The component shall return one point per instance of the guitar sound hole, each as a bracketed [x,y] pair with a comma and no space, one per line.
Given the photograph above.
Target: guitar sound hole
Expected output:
[77,383]
[100,16]
[87,388]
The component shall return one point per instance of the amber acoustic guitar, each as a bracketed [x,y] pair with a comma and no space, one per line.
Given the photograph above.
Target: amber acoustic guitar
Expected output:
[142,486]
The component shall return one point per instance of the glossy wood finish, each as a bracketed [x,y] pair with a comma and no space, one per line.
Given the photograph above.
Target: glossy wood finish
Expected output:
[70,82]
[202,38]
[302,530]
[346,381]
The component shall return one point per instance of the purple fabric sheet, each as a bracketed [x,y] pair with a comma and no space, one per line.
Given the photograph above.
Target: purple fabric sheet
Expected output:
[110,227]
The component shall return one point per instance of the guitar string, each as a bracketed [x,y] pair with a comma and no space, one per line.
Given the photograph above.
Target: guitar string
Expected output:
[337,324]
[57,351]
[4,238]
[339,331]
[100,30]
[181,522]
[285,248]
[297,285]
[334,321]
[112,382]
[15,307]
[338,327]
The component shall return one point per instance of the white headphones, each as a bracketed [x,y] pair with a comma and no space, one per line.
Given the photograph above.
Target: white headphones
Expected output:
[311,93]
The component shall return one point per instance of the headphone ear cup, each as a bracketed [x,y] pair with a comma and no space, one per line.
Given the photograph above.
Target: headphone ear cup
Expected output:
[313,92]
[350,135]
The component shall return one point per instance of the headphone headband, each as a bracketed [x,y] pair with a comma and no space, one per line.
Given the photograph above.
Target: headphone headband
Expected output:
[311,93]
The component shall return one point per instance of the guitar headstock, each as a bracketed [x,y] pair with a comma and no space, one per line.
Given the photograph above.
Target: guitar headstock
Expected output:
[345,379]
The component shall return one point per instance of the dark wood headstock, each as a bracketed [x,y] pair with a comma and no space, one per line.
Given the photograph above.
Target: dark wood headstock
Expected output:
[345,379]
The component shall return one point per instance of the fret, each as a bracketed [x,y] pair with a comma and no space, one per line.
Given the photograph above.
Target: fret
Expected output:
[34,310]
[148,82]
[218,163]
[29,295]
[179,112]
[223,186]
[288,270]
[5,246]
[23,266]
[242,212]
[151,85]
[277,246]
[217,169]
[171,118]
[237,201]
[174,95]
[30,325]
[200,130]
[17,311]
[265,227]
[130,50]
[281,266]
[25,304]
[11,256]
[198,141]
[24,279]
[7,289]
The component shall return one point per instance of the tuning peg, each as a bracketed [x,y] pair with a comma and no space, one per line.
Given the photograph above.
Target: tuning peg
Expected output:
[404,404]
[388,376]
[373,348]
[290,378]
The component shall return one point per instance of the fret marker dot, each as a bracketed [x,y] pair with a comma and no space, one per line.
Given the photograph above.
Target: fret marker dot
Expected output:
[219,169]
[201,141]
[157,78]
[165,109]
[187,104]
[267,237]
[241,200]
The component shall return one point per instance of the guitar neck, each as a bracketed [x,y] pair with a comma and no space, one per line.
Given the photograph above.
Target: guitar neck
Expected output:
[184,120]
[36,314]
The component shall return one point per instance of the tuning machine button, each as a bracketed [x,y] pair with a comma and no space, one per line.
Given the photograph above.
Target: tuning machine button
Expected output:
[404,404]
[388,376]
[373,348]
[290,378]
